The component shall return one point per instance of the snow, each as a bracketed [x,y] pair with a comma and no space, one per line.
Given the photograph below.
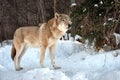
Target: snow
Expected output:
[100,14]
[78,37]
[82,26]
[44,74]
[117,36]
[105,23]
[95,5]
[73,4]
[78,62]
[84,9]
[101,2]
[110,19]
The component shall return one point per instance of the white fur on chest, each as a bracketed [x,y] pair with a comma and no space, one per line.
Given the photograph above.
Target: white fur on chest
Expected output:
[51,42]
[63,28]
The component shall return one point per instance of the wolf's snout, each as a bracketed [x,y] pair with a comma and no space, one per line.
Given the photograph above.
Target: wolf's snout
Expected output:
[69,26]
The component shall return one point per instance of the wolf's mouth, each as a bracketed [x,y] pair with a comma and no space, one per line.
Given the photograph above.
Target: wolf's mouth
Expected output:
[69,26]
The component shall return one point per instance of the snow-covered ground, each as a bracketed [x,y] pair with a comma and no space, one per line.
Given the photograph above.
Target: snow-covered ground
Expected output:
[77,62]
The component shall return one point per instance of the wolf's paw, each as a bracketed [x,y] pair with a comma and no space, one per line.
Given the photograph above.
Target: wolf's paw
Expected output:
[56,67]
[18,69]
[42,66]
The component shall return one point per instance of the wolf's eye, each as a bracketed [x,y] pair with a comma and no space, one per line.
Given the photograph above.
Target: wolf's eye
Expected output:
[63,19]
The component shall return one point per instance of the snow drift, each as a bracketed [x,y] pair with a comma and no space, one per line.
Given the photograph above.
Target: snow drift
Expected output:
[77,62]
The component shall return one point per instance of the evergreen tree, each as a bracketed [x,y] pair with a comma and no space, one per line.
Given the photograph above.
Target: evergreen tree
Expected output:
[96,19]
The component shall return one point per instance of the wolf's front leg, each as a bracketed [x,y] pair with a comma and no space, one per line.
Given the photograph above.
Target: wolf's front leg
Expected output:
[52,55]
[43,49]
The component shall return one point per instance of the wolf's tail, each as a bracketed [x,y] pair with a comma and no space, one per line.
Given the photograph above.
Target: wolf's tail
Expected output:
[13,52]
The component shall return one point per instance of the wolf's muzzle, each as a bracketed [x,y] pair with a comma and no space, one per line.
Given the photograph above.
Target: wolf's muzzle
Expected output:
[69,26]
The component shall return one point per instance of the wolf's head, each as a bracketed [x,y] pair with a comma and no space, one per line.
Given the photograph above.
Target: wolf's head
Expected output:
[63,21]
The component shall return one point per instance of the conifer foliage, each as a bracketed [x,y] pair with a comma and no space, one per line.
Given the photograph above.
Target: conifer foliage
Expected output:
[97,20]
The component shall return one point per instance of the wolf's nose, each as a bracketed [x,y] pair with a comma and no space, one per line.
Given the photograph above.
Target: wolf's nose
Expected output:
[69,26]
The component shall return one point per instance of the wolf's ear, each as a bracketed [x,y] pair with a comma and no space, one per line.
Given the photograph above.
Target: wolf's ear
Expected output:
[56,15]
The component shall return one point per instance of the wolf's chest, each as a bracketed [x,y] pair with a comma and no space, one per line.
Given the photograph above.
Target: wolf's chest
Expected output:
[52,41]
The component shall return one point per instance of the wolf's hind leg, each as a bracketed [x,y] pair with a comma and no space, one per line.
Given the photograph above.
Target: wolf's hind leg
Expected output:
[19,54]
